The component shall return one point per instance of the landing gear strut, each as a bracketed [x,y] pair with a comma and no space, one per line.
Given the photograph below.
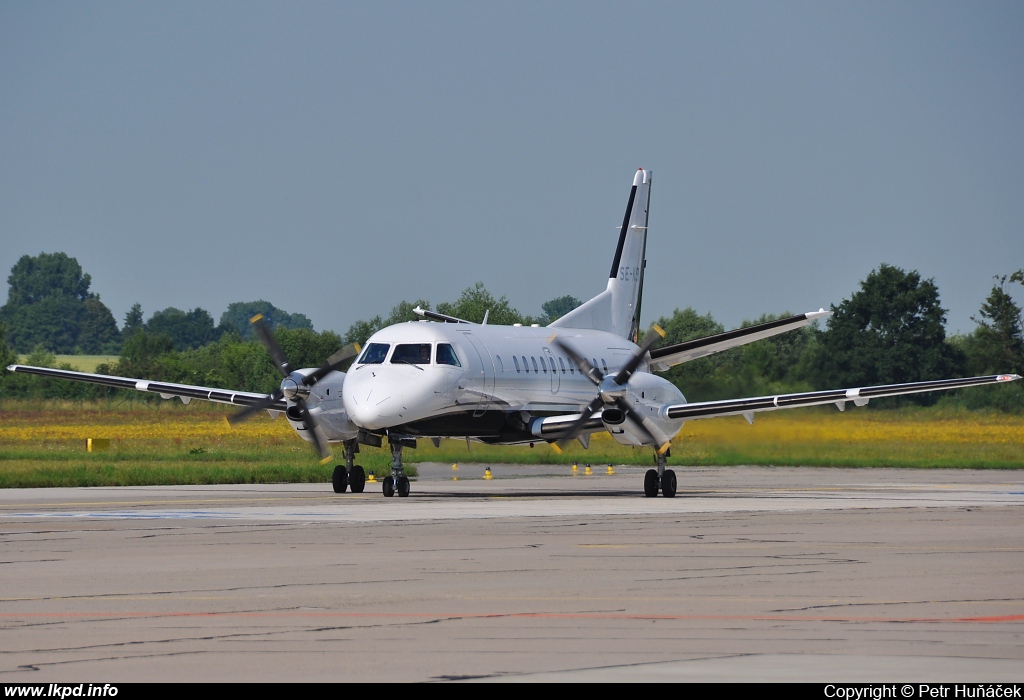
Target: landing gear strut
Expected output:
[662,479]
[398,482]
[350,474]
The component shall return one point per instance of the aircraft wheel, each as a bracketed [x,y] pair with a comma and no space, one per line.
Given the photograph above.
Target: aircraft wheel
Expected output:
[388,485]
[651,483]
[668,484]
[340,479]
[403,486]
[357,479]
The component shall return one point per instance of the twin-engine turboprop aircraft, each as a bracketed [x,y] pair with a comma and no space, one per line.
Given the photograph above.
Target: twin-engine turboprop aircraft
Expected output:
[444,377]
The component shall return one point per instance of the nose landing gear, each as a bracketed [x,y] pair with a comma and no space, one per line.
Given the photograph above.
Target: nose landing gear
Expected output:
[398,482]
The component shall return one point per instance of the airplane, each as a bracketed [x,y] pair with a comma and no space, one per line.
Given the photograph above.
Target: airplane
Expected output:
[445,377]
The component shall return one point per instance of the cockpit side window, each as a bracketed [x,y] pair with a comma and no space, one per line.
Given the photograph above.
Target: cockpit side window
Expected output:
[411,354]
[374,354]
[446,355]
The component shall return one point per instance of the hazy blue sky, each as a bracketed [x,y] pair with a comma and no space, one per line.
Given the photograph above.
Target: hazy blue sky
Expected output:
[337,158]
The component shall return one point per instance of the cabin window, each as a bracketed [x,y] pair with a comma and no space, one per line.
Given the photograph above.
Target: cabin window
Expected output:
[572,366]
[446,355]
[561,364]
[501,365]
[605,365]
[411,354]
[534,360]
[515,361]
[526,367]
[374,354]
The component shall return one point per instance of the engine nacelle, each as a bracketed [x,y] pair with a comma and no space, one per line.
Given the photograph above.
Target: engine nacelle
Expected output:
[327,408]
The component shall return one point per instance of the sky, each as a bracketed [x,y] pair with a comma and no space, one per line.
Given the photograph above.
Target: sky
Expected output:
[337,158]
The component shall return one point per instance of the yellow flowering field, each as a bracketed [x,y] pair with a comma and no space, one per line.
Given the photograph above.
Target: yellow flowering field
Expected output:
[44,443]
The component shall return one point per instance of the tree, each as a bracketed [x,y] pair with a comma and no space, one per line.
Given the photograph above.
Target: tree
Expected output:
[556,308]
[133,322]
[475,301]
[997,344]
[190,329]
[240,313]
[49,304]
[698,379]
[891,331]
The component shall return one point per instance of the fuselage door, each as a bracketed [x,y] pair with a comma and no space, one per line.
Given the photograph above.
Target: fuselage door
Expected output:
[484,380]
[553,364]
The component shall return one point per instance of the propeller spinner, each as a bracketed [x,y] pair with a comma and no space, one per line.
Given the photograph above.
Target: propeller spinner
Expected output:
[294,385]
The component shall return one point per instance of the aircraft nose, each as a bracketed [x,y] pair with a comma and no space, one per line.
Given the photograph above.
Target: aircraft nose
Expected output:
[374,405]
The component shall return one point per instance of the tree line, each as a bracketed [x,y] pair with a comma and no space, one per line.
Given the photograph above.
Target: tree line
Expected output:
[891,330]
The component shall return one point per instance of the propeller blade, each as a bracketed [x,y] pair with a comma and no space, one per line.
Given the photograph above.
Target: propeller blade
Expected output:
[577,427]
[255,408]
[333,362]
[319,439]
[661,442]
[276,353]
[592,372]
[627,370]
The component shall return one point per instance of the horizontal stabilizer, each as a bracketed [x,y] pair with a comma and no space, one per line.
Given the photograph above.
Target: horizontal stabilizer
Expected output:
[664,357]
[745,407]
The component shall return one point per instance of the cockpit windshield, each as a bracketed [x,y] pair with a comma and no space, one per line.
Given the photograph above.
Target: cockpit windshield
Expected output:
[411,354]
[446,355]
[374,354]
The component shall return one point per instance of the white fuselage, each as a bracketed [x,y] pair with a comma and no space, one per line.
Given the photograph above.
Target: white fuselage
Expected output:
[505,378]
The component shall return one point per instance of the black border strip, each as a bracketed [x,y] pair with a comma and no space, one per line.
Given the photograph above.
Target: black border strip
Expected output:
[728,335]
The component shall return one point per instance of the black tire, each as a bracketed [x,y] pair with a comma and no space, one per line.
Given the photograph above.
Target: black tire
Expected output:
[388,486]
[357,479]
[668,484]
[651,483]
[402,486]
[340,479]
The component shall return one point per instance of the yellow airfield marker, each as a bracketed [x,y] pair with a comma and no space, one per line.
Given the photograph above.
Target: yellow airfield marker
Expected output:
[455,467]
[610,472]
[97,444]
[371,479]
[575,468]
[587,472]
[487,474]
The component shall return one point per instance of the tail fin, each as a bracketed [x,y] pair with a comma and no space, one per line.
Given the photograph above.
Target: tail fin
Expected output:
[617,308]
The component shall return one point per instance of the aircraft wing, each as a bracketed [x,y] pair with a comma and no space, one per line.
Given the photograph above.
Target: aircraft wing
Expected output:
[664,357]
[185,392]
[748,407]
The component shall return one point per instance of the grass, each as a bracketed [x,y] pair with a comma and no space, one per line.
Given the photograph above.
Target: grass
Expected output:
[81,363]
[43,443]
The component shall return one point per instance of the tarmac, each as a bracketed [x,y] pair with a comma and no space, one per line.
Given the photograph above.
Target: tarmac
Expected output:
[750,574]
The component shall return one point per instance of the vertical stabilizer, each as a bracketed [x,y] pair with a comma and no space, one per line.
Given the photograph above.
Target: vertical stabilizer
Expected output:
[617,308]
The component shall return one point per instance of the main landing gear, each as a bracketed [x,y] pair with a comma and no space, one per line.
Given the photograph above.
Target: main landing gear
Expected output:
[398,482]
[661,479]
[349,474]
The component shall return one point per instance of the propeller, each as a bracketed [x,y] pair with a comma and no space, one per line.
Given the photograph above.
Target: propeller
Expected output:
[294,386]
[611,391]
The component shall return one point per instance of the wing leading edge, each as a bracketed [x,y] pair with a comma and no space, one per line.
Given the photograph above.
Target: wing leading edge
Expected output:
[747,407]
[186,392]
